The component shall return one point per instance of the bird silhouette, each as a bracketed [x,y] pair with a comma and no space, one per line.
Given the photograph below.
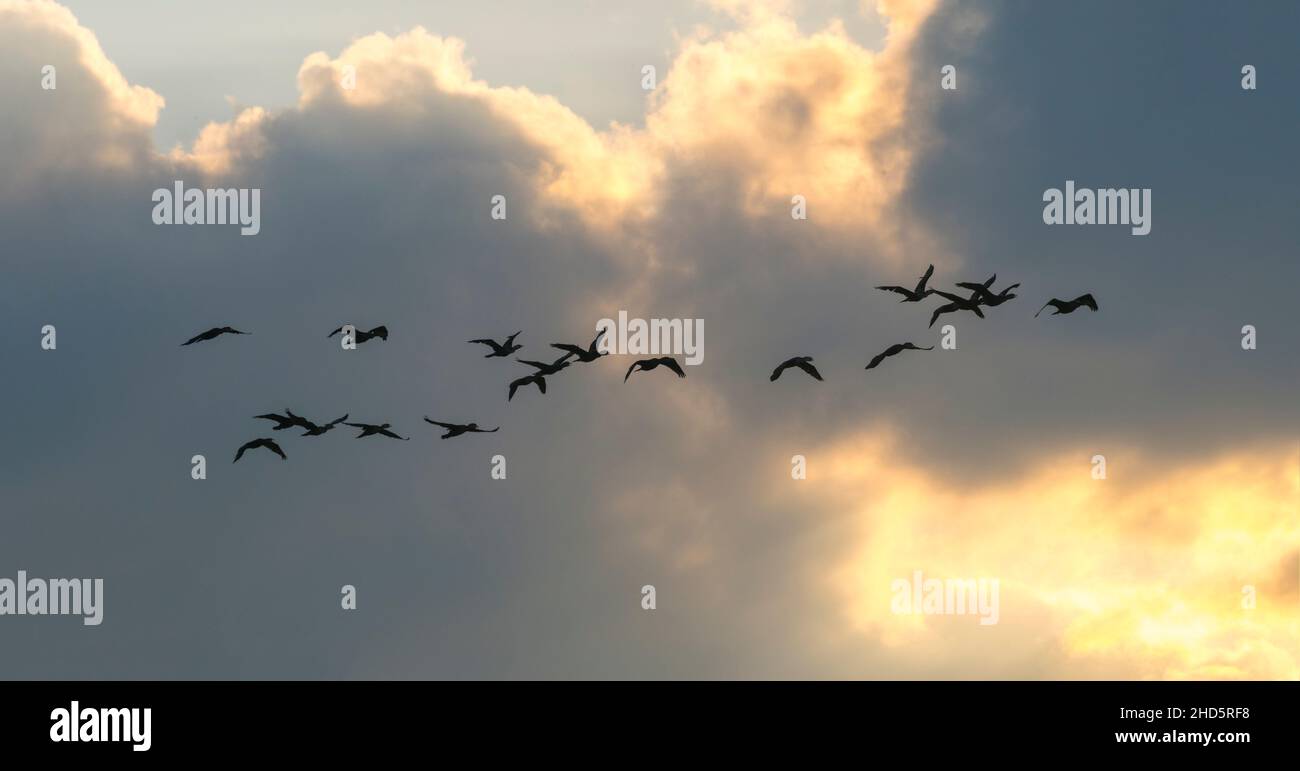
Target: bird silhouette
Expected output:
[456,429]
[211,333]
[317,430]
[282,422]
[913,295]
[267,443]
[895,349]
[802,362]
[986,295]
[1069,306]
[585,355]
[360,337]
[536,379]
[648,364]
[369,429]
[958,303]
[548,369]
[500,349]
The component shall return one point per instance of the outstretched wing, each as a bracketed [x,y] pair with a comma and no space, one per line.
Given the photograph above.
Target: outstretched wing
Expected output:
[240,454]
[776,373]
[942,309]
[338,421]
[920,285]
[630,370]
[380,332]
[951,297]
[335,332]
[672,364]
[484,341]
[199,336]
[808,367]
[1087,300]
[534,364]
[275,448]
[439,423]
[386,432]
[899,289]
[572,349]
[541,383]
[1052,302]
[875,361]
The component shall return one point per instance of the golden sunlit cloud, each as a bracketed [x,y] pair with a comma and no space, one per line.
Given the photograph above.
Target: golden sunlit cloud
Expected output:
[1146,573]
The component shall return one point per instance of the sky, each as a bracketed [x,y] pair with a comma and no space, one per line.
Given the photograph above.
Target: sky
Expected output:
[973,462]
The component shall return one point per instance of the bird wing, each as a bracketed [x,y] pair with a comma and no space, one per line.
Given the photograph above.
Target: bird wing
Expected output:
[672,364]
[1049,302]
[920,286]
[335,332]
[977,311]
[776,373]
[899,289]
[198,337]
[380,331]
[357,425]
[338,421]
[240,454]
[949,296]
[386,432]
[572,349]
[439,423]
[484,341]
[514,384]
[534,364]
[808,367]
[541,383]
[511,339]
[275,448]
[630,370]
[875,361]
[1087,300]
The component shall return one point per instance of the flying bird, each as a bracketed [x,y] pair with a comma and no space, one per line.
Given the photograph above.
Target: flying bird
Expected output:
[380,332]
[548,369]
[648,364]
[958,303]
[211,333]
[895,349]
[456,429]
[315,430]
[1069,306]
[536,379]
[500,349]
[802,362]
[267,443]
[585,355]
[913,295]
[282,422]
[986,296]
[368,429]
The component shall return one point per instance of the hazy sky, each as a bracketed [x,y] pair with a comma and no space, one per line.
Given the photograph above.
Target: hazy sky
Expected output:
[375,209]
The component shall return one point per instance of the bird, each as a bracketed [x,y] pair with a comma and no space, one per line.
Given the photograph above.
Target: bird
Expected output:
[456,429]
[283,422]
[548,369]
[267,443]
[802,362]
[368,429]
[380,332]
[894,349]
[913,295]
[986,295]
[211,333]
[958,303]
[500,349]
[648,364]
[585,355]
[315,430]
[536,379]
[1069,306]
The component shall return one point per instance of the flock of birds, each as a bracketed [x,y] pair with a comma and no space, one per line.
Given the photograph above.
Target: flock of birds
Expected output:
[981,296]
